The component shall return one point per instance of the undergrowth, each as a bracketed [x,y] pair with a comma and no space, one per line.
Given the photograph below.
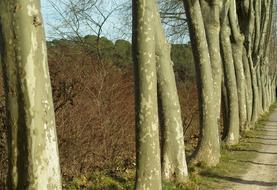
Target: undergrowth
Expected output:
[235,161]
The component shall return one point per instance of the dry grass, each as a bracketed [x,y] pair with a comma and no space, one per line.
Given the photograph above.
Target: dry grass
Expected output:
[95,116]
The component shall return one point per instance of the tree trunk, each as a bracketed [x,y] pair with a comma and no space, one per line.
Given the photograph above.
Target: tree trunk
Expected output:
[230,77]
[264,89]
[225,109]
[247,24]
[208,150]
[174,167]
[255,110]
[259,85]
[33,145]
[9,69]
[237,49]
[249,92]
[211,19]
[148,175]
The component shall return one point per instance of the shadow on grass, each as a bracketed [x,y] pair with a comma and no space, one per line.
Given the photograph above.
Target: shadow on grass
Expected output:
[261,143]
[269,126]
[270,120]
[267,130]
[252,150]
[239,180]
[256,163]
[262,138]
[258,136]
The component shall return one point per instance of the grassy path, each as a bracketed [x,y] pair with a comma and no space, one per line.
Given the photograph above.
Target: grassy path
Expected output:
[262,173]
[250,165]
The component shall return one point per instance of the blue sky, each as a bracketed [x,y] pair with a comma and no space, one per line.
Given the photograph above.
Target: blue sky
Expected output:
[48,16]
[111,28]
[115,28]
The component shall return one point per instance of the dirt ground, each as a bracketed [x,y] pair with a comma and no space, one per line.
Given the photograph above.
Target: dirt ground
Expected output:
[262,174]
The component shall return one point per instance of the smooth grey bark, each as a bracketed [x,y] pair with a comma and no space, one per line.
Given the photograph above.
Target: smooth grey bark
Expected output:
[148,173]
[259,87]
[255,110]
[224,107]
[208,151]
[268,27]
[11,95]
[257,8]
[262,15]
[262,88]
[249,92]
[174,166]
[230,77]
[33,146]
[237,50]
[211,18]
[248,24]
[260,51]
[265,94]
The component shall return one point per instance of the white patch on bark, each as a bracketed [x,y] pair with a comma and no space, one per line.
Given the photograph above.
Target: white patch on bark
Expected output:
[32,10]
[46,165]
[45,67]
[48,170]
[44,60]
[167,167]
[232,137]
[30,73]
[147,39]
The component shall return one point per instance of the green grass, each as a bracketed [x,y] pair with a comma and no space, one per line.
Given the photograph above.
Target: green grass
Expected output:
[102,180]
[234,162]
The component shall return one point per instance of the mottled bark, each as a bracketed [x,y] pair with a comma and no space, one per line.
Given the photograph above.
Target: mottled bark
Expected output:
[174,167]
[208,150]
[248,89]
[269,6]
[9,69]
[237,50]
[261,52]
[257,30]
[265,30]
[259,86]
[148,173]
[248,33]
[224,107]
[265,94]
[211,18]
[33,145]
[273,86]
[255,110]
[230,78]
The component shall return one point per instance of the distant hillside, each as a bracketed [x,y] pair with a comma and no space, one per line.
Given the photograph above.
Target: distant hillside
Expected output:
[119,53]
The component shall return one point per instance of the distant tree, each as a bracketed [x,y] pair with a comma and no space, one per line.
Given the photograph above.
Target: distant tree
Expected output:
[182,58]
[204,26]
[32,139]
[153,65]
[174,20]
[174,167]
[122,55]
[255,20]
[230,78]
[245,31]
[237,40]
